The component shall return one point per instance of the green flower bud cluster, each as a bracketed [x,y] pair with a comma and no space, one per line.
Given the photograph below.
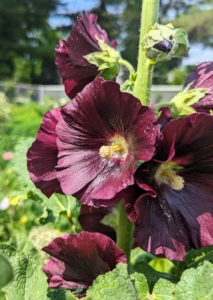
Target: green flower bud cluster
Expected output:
[163,42]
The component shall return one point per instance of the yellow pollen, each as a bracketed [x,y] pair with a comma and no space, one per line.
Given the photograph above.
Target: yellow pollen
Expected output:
[106,152]
[117,148]
[176,182]
[167,173]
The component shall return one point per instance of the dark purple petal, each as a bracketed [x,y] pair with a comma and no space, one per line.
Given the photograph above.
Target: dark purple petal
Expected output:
[202,77]
[176,221]
[42,155]
[170,221]
[97,115]
[74,69]
[191,137]
[76,260]
[90,220]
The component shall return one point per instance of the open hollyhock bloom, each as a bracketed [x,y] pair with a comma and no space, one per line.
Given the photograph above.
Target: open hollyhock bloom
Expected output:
[102,136]
[42,155]
[172,202]
[75,70]
[77,259]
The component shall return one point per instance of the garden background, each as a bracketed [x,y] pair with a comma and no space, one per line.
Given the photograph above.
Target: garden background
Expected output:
[29,32]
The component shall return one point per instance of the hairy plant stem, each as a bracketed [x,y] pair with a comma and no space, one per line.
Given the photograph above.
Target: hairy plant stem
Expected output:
[127,65]
[124,232]
[149,16]
[142,87]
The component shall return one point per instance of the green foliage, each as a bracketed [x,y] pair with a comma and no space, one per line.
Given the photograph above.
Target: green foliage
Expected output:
[7,270]
[196,284]
[29,281]
[27,41]
[113,285]
[60,294]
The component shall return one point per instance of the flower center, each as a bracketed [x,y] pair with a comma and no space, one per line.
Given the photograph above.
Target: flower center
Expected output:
[166,172]
[117,148]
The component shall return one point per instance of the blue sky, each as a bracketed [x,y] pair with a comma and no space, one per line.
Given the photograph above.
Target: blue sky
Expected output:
[197,53]
[72,6]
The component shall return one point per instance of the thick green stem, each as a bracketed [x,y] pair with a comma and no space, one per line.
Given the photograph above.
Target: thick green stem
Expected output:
[149,16]
[124,232]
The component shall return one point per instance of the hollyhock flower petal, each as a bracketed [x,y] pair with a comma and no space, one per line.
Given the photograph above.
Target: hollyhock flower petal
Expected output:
[74,69]
[179,215]
[99,120]
[90,220]
[76,260]
[42,155]
[202,77]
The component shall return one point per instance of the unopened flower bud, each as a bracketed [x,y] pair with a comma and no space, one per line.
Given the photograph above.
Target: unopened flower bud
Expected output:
[163,42]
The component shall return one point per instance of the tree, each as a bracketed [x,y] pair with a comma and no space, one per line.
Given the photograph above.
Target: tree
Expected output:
[27,41]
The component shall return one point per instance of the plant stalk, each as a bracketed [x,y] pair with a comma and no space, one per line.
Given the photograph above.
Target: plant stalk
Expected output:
[124,232]
[149,17]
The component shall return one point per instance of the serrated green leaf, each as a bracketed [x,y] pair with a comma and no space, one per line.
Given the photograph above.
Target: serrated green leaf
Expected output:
[6,269]
[196,284]
[60,294]
[29,282]
[140,283]
[113,285]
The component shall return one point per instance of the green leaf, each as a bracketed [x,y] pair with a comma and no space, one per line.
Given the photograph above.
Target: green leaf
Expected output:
[196,257]
[163,290]
[60,294]
[113,285]
[140,283]
[6,269]
[196,284]
[29,281]
[153,276]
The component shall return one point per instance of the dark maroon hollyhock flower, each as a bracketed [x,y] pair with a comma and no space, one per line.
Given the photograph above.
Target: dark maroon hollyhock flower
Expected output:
[202,77]
[102,136]
[90,220]
[74,69]
[172,203]
[42,155]
[76,260]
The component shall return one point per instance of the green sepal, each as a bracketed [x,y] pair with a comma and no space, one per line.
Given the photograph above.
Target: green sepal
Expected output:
[106,60]
[180,105]
[128,85]
[159,33]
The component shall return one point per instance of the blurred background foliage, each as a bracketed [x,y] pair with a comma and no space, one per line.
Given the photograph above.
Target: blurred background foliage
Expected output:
[27,40]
